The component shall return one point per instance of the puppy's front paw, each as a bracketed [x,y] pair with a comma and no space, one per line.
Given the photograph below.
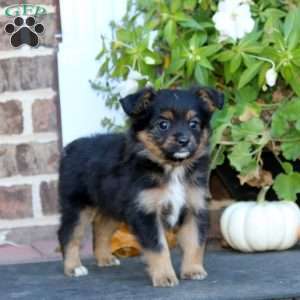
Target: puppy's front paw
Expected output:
[196,272]
[76,272]
[108,261]
[164,280]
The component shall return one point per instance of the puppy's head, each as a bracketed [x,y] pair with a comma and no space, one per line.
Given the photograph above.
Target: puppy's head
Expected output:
[172,124]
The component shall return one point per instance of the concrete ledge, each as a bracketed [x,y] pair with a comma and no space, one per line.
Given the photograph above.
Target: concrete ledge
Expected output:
[232,276]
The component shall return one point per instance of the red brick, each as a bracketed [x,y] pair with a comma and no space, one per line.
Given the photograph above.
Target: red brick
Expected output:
[11,118]
[8,164]
[15,202]
[44,116]
[37,158]
[4,3]
[4,37]
[27,73]
[49,197]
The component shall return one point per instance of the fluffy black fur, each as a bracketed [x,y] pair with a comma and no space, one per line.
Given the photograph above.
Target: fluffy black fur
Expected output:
[109,171]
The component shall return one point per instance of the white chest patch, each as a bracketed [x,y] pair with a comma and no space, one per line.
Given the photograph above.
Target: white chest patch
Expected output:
[174,196]
[167,200]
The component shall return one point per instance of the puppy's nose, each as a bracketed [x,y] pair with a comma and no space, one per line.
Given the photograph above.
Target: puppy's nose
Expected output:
[183,140]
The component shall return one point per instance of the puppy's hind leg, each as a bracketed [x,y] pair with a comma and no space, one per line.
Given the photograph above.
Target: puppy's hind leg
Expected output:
[103,230]
[70,235]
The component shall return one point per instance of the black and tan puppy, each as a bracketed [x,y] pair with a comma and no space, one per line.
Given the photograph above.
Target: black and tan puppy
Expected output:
[153,177]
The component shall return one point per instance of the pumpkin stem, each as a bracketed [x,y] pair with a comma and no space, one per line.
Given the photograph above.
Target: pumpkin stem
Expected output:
[261,197]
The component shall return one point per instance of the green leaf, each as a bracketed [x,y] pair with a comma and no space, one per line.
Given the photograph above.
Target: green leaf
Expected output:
[291,26]
[287,186]
[247,94]
[235,63]
[205,63]
[249,74]
[176,64]
[249,131]
[217,134]
[201,75]
[175,5]
[170,32]
[288,168]
[222,117]
[189,4]
[218,158]
[191,23]
[296,57]
[240,156]
[291,150]
[279,125]
[225,55]
[209,50]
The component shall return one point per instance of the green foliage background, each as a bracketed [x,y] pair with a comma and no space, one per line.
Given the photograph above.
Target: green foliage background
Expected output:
[187,51]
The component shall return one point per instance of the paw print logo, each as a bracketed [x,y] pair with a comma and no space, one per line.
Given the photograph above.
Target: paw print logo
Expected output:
[24,31]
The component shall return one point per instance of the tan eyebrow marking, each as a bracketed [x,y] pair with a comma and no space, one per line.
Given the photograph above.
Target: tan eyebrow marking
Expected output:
[168,114]
[190,114]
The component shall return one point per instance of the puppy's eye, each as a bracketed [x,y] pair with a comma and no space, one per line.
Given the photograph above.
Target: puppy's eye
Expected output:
[164,125]
[194,124]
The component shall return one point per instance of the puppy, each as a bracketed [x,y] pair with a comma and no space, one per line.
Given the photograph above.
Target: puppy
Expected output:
[154,176]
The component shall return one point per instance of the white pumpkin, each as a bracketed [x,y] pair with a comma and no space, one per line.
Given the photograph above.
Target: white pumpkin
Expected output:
[261,226]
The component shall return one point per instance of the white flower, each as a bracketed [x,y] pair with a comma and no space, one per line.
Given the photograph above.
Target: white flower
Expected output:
[233,19]
[149,60]
[130,85]
[152,37]
[271,77]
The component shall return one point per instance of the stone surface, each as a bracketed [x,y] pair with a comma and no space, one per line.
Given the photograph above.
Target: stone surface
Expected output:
[37,158]
[26,73]
[8,164]
[44,115]
[49,198]
[231,276]
[11,118]
[15,202]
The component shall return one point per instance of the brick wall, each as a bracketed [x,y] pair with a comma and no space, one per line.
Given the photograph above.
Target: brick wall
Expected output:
[29,135]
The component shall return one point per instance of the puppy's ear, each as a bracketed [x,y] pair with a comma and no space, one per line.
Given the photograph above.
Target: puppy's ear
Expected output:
[211,98]
[136,104]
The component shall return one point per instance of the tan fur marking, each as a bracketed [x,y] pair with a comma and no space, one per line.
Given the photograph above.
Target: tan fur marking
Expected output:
[196,198]
[160,266]
[207,99]
[168,114]
[71,252]
[103,230]
[154,151]
[150,200]
[190,115]
[192,261]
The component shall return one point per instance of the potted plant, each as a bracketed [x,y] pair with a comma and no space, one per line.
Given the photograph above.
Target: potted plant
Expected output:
[248,49]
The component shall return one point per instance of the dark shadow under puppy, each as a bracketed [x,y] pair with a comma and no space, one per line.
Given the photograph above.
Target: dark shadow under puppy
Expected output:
[154,176]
